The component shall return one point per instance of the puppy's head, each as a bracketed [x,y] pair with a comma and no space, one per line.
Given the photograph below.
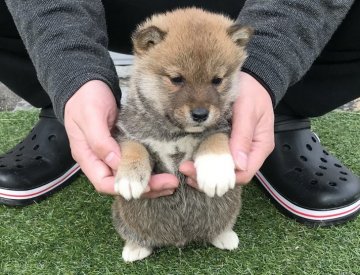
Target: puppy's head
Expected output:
[186,65]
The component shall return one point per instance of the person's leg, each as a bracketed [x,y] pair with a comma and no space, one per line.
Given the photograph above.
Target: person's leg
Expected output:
[305,180]
[41,163]
[16,69]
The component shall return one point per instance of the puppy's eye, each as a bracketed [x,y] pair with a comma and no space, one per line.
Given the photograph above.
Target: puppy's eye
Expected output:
[178,80]
[216,80]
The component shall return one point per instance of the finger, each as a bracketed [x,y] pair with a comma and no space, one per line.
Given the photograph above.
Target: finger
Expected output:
[192,183]
[161,185]
[106,186]
[188,169]
[243,126]
[161,182]
[96,171]
[112,160]
[256,159]
[102,143]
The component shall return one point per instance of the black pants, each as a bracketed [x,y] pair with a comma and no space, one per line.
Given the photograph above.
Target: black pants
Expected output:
[333,79]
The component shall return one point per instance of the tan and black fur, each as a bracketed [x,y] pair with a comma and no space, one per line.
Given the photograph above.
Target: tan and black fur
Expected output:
[186,64]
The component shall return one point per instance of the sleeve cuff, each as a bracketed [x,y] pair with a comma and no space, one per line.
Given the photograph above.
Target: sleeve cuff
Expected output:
[267,77]
[70,86]
[267,88]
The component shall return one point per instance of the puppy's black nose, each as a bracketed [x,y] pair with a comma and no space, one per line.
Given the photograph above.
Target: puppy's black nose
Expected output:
[199,114]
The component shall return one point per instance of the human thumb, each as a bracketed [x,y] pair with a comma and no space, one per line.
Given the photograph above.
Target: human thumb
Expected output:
[241,137]
[102,143]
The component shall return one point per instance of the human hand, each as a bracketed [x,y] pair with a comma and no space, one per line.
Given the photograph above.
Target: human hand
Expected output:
[252,135]
[89,115]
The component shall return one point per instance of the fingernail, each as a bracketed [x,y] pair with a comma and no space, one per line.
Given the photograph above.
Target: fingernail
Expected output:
[109,158]
[190,181]
[169,192]
[241,161]
[112,160]
[147,189]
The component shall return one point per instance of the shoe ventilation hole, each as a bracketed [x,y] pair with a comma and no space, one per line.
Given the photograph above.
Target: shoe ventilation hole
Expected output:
[38,157]
[323,160]
[2,166]
[19,155]
[343,173]
[286,147]
[17,160]
[303,158]
[21,148]
[313,182]
[331,183]
[319,174]
[343,179]
[10,152]
[33,137]
[326,153]
[36,147]
[322,167]
[314,139]
[1,157]
[298,169]
[51,137]
[337,165]
[308,146]
[19,166]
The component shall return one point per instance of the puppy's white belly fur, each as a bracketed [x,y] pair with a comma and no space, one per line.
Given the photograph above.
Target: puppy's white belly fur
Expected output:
[215,173]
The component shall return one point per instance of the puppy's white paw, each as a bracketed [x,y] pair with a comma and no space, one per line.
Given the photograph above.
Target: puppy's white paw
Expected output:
[131,184]
[215,173]
[226,240]
[133,252]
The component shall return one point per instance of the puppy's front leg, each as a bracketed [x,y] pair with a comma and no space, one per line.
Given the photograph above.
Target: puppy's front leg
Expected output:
[214,165]
[134,171]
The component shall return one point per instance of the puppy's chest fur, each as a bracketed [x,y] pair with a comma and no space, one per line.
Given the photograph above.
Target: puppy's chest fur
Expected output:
[168,154]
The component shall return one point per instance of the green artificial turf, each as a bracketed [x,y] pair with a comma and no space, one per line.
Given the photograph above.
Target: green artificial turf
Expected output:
[71,232]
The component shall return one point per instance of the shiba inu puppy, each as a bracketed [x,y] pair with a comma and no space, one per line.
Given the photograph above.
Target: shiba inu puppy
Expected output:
[178,108]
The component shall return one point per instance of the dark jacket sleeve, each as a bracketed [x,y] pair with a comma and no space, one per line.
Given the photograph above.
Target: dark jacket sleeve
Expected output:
[67,43]
[288,37]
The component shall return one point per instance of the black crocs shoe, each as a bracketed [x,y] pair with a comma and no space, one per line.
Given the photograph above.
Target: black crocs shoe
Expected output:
[39,165]
[305,181]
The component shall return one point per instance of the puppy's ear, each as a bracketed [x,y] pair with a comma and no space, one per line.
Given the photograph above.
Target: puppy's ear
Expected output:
[240,34]
[145,39]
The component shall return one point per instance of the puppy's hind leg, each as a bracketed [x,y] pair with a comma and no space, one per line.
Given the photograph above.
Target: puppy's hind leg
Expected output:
[133,252]
[227,239]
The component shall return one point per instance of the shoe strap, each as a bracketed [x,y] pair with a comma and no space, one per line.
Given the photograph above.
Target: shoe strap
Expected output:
[47,113]
[287,123]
